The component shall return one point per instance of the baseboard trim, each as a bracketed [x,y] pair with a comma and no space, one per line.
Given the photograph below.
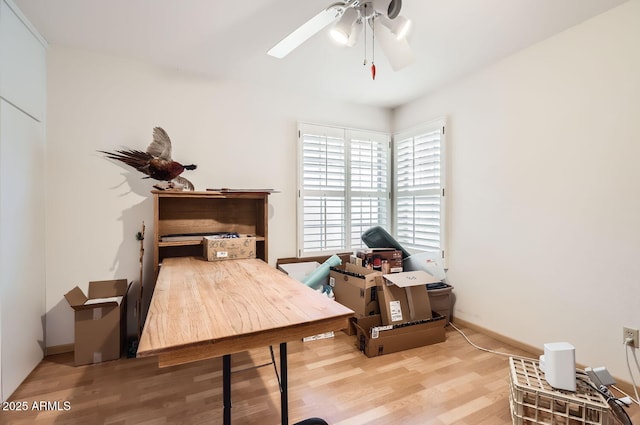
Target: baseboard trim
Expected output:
[530,349]
[624,385]
[59,349]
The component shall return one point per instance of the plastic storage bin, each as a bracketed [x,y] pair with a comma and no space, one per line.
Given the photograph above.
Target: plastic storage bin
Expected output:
[377,237]
[441,300]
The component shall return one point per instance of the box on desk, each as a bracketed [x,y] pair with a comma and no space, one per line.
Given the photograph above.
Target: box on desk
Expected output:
[100,321]
[375,339]
[386,260]
[217,249]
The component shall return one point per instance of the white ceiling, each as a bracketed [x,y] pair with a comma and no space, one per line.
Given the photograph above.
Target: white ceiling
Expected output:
[229,39]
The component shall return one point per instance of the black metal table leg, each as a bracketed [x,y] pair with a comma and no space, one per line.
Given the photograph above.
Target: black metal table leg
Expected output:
[284,394]
[226,388]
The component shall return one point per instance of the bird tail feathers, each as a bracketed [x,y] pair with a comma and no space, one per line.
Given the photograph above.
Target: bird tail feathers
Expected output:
[134,158]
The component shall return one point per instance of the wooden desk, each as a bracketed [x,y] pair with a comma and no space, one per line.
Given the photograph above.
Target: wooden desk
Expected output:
[201,310]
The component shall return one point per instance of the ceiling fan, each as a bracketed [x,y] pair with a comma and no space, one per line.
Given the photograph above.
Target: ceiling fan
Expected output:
[351,17]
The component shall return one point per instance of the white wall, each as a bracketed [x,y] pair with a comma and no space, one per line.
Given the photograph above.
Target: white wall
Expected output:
[239,136]
[544,189]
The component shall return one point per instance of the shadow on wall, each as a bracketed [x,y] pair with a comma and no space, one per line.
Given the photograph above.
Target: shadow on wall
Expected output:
[133,258]
[64,315]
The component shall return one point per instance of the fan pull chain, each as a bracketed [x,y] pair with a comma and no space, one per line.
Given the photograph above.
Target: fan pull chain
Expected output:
[364,24]
[373,47]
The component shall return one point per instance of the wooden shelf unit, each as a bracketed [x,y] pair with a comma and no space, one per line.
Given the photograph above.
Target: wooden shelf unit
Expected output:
[207,212]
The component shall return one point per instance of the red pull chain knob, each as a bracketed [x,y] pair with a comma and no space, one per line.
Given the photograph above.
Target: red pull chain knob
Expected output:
[373,71]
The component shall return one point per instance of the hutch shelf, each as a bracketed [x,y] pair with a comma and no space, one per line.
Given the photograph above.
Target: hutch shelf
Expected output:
[177,215]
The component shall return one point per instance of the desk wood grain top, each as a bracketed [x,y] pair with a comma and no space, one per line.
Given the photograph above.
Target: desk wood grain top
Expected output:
[202,309]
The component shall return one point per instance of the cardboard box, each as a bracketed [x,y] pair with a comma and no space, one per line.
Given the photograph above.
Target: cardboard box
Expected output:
[386,260]
[353,321]
[375,339]
[355,287]
[100,321]
[217,249]
[403,297]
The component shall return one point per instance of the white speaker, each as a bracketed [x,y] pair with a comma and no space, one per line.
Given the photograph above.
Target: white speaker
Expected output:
[560,365]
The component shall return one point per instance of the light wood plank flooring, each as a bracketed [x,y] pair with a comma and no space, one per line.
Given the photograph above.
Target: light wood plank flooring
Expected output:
[447,383]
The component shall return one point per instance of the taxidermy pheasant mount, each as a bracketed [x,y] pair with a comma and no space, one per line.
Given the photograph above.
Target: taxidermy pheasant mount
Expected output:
[156,162]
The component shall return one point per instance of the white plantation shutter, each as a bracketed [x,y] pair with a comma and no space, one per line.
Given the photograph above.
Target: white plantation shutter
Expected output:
[419,188]
[323,190]
[370,183]
[343,187]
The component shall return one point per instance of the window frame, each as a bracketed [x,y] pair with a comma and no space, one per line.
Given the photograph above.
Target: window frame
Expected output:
[423,129]
[349,193]
[392,190]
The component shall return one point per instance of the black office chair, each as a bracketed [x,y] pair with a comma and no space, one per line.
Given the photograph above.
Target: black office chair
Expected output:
[312,421]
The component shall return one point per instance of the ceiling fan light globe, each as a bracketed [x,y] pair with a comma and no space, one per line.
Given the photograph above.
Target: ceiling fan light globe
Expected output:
[356,30]
[341,32]
[401,26]
[339,36]
[394,8]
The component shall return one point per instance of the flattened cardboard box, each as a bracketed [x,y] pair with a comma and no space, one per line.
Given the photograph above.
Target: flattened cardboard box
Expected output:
[218,249]
[100,321]
[355,287]
[403,297]
[375,339]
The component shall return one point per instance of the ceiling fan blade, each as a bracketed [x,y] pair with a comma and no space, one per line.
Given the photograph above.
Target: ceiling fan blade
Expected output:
[398,52]
[304,32]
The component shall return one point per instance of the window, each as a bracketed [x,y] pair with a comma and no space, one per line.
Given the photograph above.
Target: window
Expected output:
[344,186]
[419,187]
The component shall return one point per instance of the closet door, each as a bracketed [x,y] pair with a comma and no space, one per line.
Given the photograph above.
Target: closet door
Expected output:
[22,62]
[22,197]
[22,247]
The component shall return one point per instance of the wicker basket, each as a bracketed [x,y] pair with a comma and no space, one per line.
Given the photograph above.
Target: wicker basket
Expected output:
[534,401]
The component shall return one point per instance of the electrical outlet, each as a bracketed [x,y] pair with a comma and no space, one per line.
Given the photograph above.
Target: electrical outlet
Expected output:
[631,333]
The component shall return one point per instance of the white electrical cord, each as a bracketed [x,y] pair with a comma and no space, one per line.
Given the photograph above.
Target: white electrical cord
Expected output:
[633,381]
[636,359]
[625,394]
[488,350]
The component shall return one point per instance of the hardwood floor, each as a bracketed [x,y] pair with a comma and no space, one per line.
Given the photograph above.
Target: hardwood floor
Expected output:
[447,383]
